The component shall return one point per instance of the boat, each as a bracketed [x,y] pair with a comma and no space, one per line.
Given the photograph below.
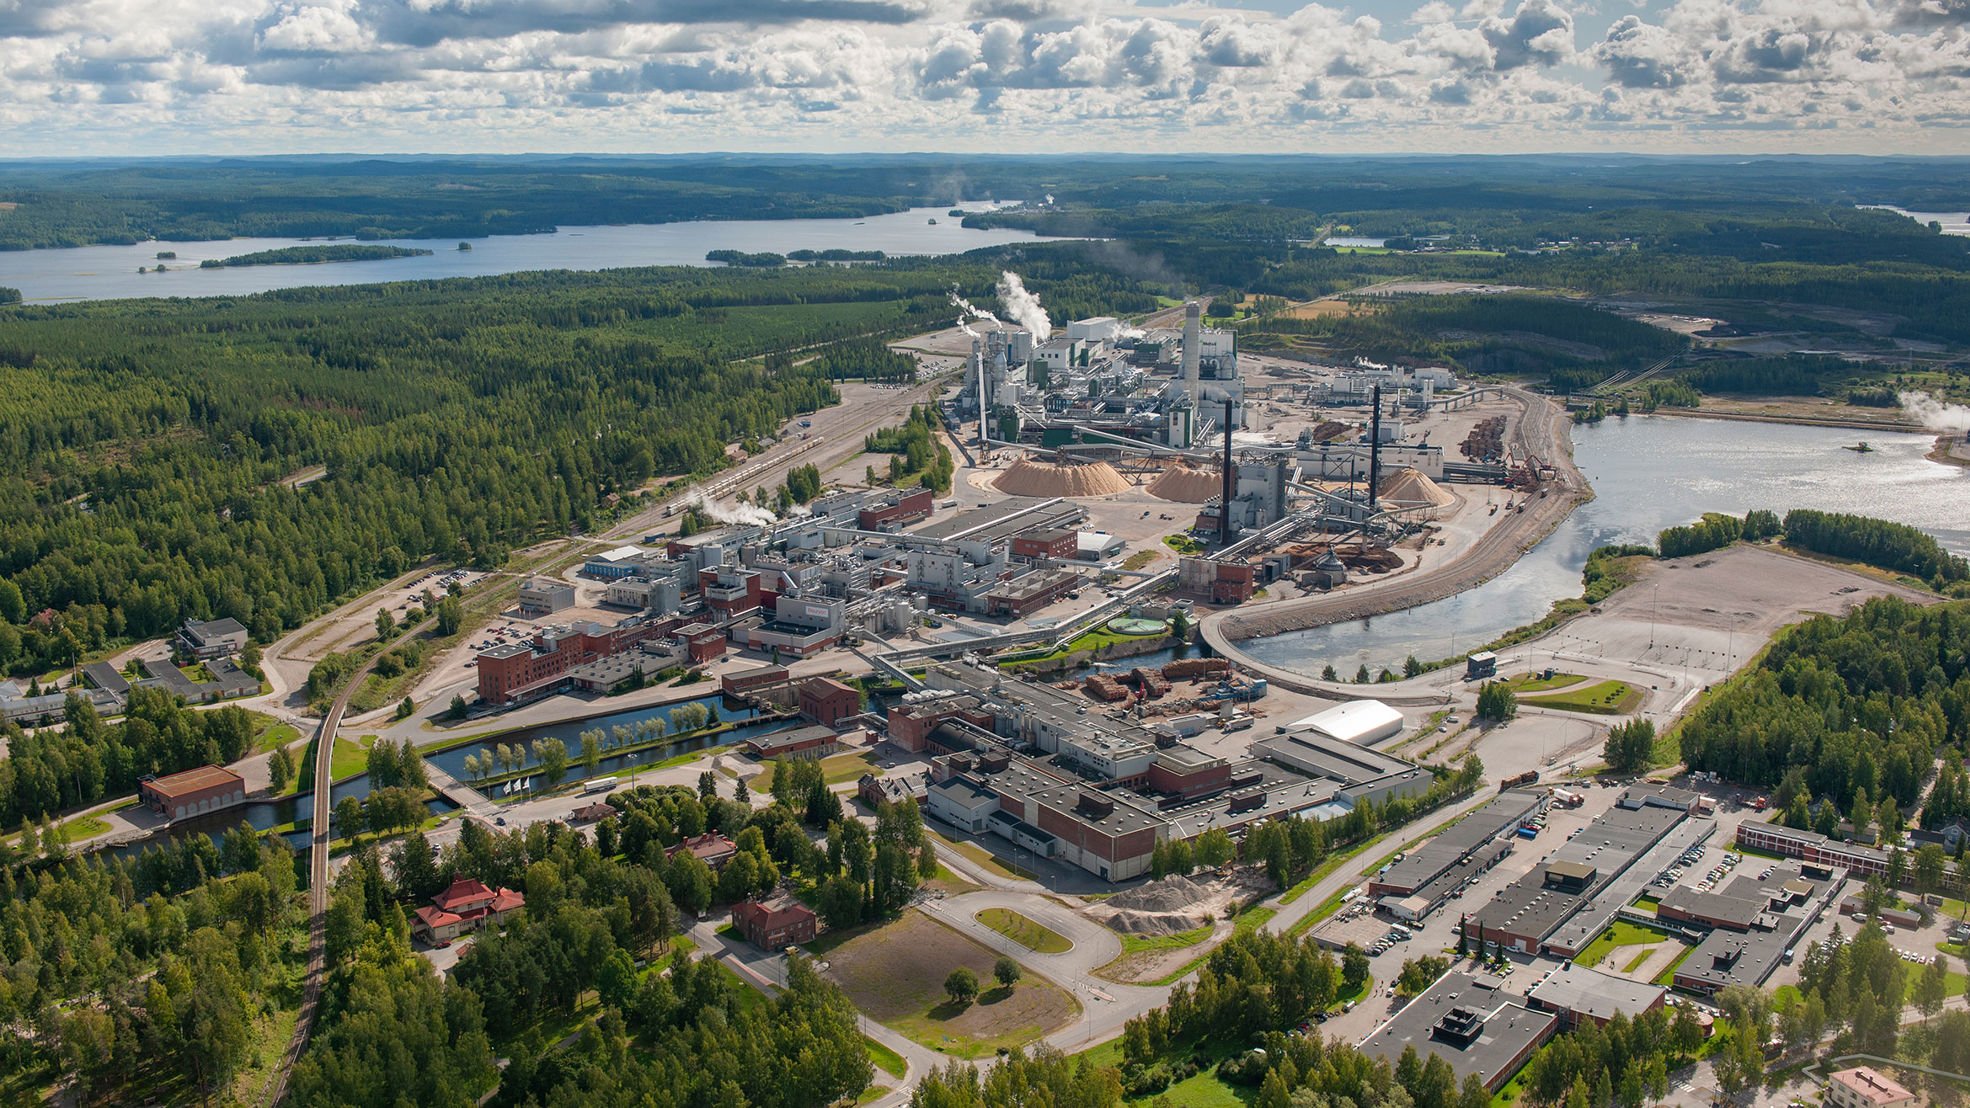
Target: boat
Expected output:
[1859,448]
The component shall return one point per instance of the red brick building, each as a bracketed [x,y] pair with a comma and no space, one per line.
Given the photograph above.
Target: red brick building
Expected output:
[911,725]
[827,701]
[701,641]
[1044,542]
[516,671]
[741,682]
[731,592]
[193,792]
[774,924]
[907,509]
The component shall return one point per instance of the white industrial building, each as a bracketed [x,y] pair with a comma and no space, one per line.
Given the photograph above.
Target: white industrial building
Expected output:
[1361,722]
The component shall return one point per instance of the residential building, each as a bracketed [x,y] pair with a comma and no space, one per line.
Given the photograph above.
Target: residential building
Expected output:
[774,923]
[193,792]
[877,791]
[1867,1087]
[711,848]
[466,906]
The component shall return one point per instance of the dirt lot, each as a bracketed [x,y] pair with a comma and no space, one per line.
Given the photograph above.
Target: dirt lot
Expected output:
[896,974]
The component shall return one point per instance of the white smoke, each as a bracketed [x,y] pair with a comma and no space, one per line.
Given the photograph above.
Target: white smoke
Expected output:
[1934,415]
[746,515]
[1049,200]
[1023,306]
[967,312]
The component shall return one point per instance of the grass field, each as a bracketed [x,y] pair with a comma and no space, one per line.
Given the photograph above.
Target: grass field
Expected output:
[834,770]
[895,974]
[1533,683]
[1611,698]
[1026,932]
[1668,974]
[1635,963]
[270,732]
[1620,933]
[1143,944]
[886,1060]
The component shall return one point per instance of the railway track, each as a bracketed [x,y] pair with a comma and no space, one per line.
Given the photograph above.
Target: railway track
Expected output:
[320,834]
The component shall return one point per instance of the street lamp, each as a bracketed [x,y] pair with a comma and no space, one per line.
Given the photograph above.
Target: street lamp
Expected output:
[1655,595]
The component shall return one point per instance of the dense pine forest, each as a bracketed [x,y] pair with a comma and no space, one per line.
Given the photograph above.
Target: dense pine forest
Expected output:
[144,444]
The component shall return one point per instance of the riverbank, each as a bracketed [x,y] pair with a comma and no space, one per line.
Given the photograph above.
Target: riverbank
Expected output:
[1951,450]
[1792,413]
[1543,429]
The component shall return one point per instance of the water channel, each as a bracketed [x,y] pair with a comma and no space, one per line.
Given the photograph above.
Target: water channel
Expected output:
[1648,473]
[110,272]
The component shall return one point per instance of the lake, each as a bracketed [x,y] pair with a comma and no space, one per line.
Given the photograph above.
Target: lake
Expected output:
[1953,223]
[1649,473]
[110,272]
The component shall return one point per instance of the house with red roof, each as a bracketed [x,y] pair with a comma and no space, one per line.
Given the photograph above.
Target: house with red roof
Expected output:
[774,923]
[466,906]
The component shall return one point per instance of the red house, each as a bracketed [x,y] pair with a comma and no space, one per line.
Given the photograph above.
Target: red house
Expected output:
[711,848]
[466,906]
[774,924]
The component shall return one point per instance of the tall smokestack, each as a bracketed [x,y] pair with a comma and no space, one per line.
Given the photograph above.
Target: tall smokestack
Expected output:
[978,374]
[1224,504]
[1193,313]
[1375,451]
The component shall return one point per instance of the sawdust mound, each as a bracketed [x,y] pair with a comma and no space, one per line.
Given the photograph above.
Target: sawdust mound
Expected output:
[1185,485]
[1407,487]
[1029,478]
[1167,907]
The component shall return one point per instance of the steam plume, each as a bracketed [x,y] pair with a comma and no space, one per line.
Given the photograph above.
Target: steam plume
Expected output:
[1934,415]
[1023,306]
[748,515]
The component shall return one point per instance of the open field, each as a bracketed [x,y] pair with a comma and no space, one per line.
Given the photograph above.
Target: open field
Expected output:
[895,974]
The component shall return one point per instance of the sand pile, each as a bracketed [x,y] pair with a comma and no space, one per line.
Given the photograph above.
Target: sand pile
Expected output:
[1049,479]
[1186,485]
[1168,895]
[1410,488]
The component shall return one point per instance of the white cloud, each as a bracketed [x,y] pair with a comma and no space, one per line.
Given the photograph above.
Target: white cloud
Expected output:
[978,74]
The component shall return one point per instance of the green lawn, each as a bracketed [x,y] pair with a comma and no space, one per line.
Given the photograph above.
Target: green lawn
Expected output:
[1618,934]
[1140,944]
[1611,698]
[1668,974]
[1635,963]
[1533,683]
[886,1060]
[1026,932]
[1249,920]
[270,732]
[1648,902]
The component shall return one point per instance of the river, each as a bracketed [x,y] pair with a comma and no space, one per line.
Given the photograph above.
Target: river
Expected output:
[1648,473]
[110,272]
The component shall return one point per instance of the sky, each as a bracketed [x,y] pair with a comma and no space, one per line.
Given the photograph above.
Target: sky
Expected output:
[122,77]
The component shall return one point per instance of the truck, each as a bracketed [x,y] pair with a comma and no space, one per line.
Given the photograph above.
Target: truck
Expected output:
[598,785]
[1527,831]
[1526,778]
[1567,798]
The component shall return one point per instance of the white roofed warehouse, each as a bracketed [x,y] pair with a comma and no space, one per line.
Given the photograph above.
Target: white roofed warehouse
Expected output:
[1362,722]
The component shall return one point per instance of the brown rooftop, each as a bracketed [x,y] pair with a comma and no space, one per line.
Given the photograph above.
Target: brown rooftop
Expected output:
[194,780]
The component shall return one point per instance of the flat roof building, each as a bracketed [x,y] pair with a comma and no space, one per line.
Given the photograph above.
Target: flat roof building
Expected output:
[212,640]
[1470,1023]
[1580,994]
[1363,722]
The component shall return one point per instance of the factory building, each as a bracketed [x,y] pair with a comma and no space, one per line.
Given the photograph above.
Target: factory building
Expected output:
[195,792]
[512,672]
[1810,846]
[623,561]
[1361,722]
[1469,1022]
[541,596]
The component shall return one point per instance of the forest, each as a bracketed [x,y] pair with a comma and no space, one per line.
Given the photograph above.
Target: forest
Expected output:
[314,255]
[1843,706]
[144,444]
